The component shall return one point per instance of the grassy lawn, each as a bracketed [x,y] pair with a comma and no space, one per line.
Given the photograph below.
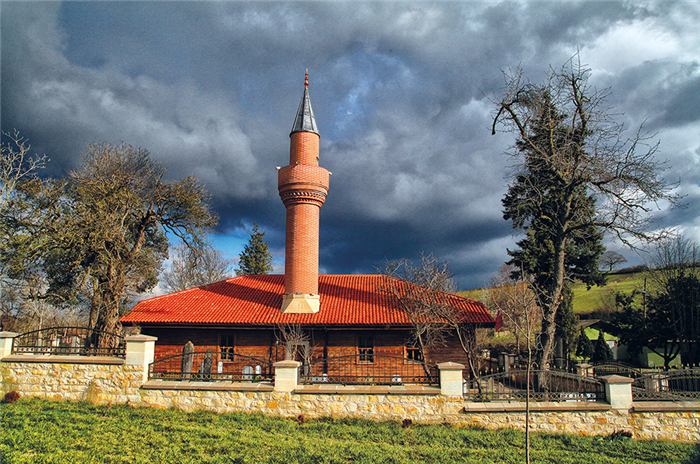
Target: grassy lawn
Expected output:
[587,301]
[40,431]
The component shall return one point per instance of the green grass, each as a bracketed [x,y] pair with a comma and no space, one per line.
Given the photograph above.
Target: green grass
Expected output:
[40,431]
[589,301]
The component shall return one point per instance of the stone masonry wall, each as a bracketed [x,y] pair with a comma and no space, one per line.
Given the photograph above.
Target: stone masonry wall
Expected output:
[121,383]
[98,383]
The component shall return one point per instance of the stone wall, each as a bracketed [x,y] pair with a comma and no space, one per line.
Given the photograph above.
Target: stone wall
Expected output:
[112,381]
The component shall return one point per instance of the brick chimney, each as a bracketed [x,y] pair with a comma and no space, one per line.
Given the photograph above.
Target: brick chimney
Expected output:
[303,186]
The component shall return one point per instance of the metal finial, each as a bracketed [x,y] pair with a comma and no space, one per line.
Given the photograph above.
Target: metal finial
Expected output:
[306,80]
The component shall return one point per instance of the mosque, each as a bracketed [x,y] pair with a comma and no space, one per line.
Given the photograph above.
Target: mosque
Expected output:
[339,315]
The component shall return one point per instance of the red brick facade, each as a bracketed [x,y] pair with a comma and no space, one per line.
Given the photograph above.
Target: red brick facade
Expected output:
[265,343]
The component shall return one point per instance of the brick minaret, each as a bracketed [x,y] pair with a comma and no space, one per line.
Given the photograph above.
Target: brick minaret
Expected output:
[303,186]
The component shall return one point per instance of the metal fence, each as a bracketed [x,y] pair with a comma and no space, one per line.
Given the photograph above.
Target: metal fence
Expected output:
[545,385]
[616,368]
[364,369]
[675,385]
[70,341]
[208,365]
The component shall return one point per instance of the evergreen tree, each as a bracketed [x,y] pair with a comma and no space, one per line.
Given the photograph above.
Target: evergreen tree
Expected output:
[562,242]
[575,180]
[602,352]
[255,257]
[584,348]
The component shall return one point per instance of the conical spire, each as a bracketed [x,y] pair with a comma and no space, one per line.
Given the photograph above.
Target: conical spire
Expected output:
[305,120]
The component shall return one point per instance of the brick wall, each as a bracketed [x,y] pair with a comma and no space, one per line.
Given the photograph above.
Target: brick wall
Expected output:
[260,343]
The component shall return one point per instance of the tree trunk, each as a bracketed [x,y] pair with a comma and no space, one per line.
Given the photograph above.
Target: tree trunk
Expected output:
[552,301]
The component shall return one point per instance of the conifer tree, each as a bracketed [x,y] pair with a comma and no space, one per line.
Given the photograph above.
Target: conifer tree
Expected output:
[577,177]
[585,346]
[602,352]
[255,257]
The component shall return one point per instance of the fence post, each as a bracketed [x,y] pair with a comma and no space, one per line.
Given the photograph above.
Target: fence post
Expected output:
[451,379]
[584,370]
[140,351]
[618,391]
[6,340]
[286,375]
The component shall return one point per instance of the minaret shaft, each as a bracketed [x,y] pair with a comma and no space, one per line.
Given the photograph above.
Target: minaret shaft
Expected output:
[303,186]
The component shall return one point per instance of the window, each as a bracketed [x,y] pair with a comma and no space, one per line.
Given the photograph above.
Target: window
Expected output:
[365,349]
[413,352]
[227,346]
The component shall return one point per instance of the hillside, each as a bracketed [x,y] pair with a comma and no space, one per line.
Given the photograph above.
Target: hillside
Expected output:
[603,298]
[598,299]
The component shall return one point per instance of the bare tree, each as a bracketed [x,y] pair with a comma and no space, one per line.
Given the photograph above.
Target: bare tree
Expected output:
[16,164]
[24,308]
[195,265]
[523,314]
[611,259]
[424,293]
[295,341]
[509,295]
[673,258]
[577,178]
[674,300]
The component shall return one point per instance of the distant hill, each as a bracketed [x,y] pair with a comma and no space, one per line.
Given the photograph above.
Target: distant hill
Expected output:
[598,300]
[602,299]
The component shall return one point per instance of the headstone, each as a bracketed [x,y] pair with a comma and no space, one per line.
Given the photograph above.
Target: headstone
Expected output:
[187,360]
[207,365]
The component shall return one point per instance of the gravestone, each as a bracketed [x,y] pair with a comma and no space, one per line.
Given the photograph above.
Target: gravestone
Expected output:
[207,365]
[187,360]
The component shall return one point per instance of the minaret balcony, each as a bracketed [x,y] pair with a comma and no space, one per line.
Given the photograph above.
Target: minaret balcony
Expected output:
[303,183]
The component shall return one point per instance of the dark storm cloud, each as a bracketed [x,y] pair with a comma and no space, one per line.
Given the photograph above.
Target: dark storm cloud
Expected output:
[400,91]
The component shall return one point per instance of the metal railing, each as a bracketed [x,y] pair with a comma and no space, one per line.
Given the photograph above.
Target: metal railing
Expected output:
[616,368]
[676,385]
[70,341]
[364,369]
[545,385]
[211,366]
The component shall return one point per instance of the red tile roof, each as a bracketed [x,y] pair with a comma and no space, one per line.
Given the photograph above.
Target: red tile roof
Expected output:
[346,300]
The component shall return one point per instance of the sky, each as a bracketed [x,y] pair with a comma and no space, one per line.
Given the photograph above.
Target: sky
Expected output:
[402,93]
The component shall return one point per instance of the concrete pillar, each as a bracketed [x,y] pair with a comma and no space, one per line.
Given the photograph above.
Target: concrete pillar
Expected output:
[618,391]
[140,351]
[584,369]
[6,340]
[286,375]
[451,378]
